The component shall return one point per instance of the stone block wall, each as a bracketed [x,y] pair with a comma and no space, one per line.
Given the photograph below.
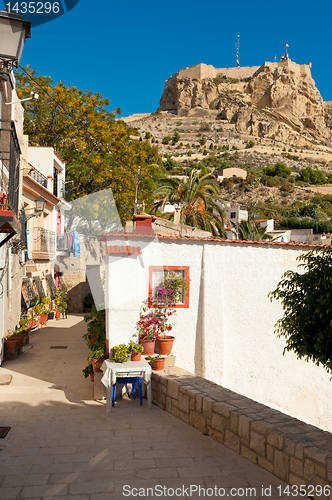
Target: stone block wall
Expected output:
[293,451]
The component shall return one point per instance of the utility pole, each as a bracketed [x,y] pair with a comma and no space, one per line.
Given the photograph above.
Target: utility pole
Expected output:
[137,184]
[238,51]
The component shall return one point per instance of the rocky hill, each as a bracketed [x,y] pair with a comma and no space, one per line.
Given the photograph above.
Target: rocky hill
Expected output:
[276,100]
[243,117]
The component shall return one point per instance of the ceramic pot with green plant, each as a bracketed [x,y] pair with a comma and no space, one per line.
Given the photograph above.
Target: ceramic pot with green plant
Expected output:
[10,341]
[119,353]
[135,350]
[157,362]
[96,359]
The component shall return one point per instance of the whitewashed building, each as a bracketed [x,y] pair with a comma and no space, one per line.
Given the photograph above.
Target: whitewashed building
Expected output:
[225,330]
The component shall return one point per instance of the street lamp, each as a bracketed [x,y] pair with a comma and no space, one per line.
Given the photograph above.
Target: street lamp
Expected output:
[13,32]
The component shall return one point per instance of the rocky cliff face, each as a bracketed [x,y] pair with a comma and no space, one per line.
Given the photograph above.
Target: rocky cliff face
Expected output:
[279,100]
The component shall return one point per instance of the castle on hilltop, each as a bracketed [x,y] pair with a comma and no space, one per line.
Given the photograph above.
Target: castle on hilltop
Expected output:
[201,71]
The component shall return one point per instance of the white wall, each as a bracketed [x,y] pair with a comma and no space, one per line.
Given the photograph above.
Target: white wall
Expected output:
[227,334]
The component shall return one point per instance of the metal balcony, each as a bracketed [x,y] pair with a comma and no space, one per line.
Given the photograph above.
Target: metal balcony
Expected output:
[9,177]
[39,177]
[44,244]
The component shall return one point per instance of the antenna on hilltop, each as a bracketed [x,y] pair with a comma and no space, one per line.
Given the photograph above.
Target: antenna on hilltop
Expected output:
[238,51]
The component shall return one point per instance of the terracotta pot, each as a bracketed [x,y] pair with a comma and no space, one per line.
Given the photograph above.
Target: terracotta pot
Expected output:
[10,345]
[165,345]
[96,364]
[136,356]
[158,364]
[19,339]
[92,377]
[43,318]
[57,315]
[148,346]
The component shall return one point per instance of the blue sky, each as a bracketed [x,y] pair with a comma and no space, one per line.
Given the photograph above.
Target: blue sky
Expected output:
[127,50]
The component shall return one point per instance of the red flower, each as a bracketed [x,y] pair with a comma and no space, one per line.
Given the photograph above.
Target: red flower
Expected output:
[93,339]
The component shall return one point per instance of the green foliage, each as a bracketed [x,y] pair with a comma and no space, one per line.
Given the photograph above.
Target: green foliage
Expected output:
[306,299]
[100,152]
[147,135]
[119,353]
[167,139]
[307,223]
[133,347]
[87,370]
[176,137]
[96,333]
[250,144]
[199,200]
[279,170]
[202,141]
[249,230]
[311,176]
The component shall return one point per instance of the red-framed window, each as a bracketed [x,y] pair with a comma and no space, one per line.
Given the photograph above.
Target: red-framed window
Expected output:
[156,274]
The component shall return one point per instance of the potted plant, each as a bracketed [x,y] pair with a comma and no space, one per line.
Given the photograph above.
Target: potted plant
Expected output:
[10,341]
[19,336]
[64,302]
[158,362]
[96,337]
[41,309]
[96,359]
[88,371]
[119,353]
[168,294]
[57,304]
[135,350]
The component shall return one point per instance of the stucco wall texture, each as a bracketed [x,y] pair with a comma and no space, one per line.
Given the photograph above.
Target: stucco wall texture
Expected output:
[227,333]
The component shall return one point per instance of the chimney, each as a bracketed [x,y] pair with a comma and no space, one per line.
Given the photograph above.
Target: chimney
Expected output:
[143,224]
[177,214]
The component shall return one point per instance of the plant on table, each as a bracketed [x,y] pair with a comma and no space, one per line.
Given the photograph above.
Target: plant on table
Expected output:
[119,353]
[135,348]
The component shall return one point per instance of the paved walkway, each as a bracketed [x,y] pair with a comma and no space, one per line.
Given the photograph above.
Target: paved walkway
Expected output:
[62,444]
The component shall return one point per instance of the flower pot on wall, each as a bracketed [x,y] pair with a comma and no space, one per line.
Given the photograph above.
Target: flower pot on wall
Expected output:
[165,345]
[148,346]
[158,364]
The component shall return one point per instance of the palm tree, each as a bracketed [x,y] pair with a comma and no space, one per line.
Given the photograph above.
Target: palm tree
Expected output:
[248,230]
[198,198]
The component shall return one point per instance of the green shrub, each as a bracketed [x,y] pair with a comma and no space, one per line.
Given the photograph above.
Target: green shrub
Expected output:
[202,141]
[250,144]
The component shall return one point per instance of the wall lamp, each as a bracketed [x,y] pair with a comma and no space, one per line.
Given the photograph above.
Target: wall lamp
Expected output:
[39,209]
[13,33]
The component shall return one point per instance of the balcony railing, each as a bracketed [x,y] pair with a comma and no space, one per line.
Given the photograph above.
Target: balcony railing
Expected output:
[39,177]
[44,240]
[64,190]
[9,164]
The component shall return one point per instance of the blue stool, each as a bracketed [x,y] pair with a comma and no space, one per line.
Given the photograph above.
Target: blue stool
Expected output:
[128,380]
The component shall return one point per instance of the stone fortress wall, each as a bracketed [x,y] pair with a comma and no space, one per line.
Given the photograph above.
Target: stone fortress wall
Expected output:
[200,71]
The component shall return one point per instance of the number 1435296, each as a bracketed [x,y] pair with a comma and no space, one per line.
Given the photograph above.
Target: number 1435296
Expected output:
[304,490]
[34,7]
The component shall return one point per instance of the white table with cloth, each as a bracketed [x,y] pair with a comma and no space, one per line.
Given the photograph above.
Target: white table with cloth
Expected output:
[112,371]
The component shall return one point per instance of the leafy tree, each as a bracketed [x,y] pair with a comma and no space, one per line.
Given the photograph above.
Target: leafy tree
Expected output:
[250,144]
[306,299]
[99,151]
[167,139]
[176,137]
[312,176]
[279,170]
[202,141]
[198,198]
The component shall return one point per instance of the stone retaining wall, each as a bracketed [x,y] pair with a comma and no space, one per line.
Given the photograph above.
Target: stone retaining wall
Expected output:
[297,453]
